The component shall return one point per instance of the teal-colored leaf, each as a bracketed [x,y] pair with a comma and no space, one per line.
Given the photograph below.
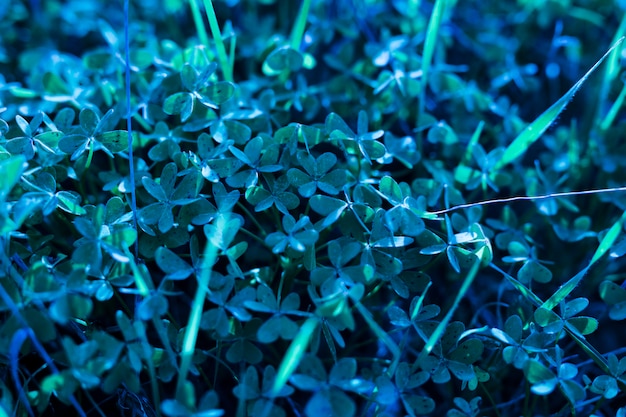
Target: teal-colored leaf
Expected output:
[174,267]
[534,271]
[69,201]
[219,92]
[179,103]
[115,140]
[284,58]
[542,379]
[418,405]
[152,307]
[154,188]
[344,370]
[11,170]
[468,351]
[88,120]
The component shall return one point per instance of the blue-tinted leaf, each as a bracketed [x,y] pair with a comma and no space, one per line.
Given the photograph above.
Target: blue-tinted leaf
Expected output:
[154,188]
[172,264]
[115,140]
[533,270]
[284,58]
[179,103]
[88,120]
[219,92]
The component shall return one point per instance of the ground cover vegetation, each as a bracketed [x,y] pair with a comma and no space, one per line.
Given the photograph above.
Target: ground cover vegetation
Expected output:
[303,208]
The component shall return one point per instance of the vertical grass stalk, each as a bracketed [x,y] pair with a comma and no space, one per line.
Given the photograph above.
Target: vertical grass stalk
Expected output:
[222,57]
[129,124]
[203,36]
[612,69]
[441,327]
[193,326]
[430,44]
[297,33]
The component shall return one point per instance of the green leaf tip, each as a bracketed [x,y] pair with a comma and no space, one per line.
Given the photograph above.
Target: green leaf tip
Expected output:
[534,130]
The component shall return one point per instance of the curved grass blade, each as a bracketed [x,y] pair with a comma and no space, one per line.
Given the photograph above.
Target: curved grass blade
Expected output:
[605,245]
[533,131]
[294,353]
[441,327]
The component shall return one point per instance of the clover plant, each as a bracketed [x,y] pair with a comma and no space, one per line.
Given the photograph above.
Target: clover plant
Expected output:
[312,208]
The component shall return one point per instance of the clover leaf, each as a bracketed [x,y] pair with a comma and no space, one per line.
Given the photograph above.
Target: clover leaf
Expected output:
[312,376]
[277,195]
[608,385]
[544,381]
[94,134]
[553,323]
[363,142]
[101,232]
[453,357]
[34,141]
[402,216]
[318,175]
[279,325]
[615,297]
[340,254]
[258,394]
[207,212]
[512,336]
[296,235]
[42,194]
[227,306]
[259,157]
[168,196]
[465,408]
[200,88]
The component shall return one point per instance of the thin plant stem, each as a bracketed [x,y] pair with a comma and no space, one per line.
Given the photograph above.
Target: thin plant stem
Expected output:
[129,124]
[530,198]
[250,216]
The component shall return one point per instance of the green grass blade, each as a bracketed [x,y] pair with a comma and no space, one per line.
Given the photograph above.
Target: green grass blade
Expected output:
[613,66]
[193,325]
[197,19]
[473,141]
[429,48]
[227,71]
[533,131]
[441,327]
[142,281]
[298,28]
[605,245]
[564,290]
[524,290]
[608,239]
[615,108]
[294,353]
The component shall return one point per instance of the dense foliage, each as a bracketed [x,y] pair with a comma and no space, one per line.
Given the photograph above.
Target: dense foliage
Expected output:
[266,208]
